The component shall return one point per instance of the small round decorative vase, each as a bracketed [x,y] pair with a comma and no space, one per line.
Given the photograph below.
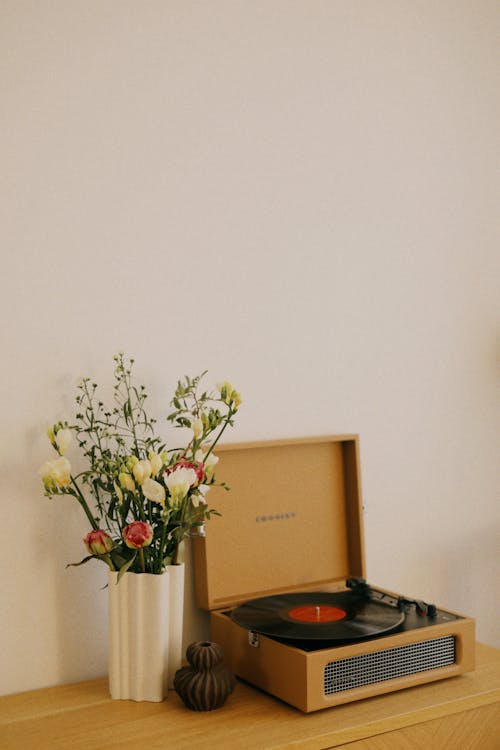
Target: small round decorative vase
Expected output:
[206,684]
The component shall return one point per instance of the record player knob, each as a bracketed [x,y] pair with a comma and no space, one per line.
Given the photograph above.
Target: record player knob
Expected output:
[421,607]
[431,610]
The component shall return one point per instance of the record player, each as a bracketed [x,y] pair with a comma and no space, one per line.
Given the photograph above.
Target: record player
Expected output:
[282,572]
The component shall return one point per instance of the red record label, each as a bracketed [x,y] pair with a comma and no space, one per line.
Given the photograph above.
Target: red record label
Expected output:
[315,613]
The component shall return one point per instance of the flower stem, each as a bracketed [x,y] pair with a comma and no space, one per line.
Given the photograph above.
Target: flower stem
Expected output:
[84,505]
[141,558]
[229,415]
[107,559]
[162,544]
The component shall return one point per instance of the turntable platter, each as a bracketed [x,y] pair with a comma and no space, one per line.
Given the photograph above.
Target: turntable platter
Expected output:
[343,616]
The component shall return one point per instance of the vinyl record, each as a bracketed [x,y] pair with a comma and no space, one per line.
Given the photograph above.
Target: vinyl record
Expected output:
[342,616]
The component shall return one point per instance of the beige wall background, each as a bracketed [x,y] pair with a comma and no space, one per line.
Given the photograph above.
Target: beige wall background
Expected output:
[298,195]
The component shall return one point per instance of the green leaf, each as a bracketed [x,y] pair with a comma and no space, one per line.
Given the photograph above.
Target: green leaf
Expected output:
[112,505]
[82,562]
[119,555]
[125,567]
[125,506]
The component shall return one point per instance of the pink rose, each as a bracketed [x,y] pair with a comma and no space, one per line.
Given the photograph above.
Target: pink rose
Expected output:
[98,542]
[138,534]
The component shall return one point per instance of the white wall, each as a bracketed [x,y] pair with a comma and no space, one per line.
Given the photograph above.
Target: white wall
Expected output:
[298,195]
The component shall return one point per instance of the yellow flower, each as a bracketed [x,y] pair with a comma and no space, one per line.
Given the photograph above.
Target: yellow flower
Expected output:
[126,482]
[226,390]
[229,395]
[141,470]
[197,428]
[119,493]
[131,462]
[56,474]
[156,463]
[210,465]
[63,439]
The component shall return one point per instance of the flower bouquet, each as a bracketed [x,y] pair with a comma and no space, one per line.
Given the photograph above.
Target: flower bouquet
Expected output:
[141,499]
[146,497]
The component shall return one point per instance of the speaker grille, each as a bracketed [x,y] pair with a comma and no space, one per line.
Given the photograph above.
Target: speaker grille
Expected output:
[378,666]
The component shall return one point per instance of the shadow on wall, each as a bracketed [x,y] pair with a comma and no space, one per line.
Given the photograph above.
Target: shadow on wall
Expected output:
[196,621]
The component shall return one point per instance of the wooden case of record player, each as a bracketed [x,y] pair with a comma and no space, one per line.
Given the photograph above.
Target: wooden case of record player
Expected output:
[293,522]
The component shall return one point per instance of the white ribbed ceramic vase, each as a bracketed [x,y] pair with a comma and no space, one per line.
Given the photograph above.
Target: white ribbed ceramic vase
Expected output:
[145,633]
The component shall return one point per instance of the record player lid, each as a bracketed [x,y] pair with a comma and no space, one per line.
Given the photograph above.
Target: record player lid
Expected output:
[292,520]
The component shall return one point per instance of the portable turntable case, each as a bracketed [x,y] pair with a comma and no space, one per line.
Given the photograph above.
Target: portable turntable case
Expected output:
[293,523]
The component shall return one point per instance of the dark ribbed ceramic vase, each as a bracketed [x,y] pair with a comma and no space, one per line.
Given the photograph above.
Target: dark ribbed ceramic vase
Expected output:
[206,683]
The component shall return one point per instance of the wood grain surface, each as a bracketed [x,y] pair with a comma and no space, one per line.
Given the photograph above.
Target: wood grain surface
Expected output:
[81,715]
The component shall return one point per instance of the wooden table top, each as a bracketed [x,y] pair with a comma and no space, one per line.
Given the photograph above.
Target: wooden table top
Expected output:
[82,715]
